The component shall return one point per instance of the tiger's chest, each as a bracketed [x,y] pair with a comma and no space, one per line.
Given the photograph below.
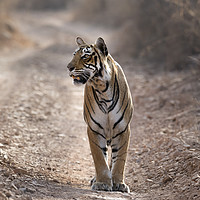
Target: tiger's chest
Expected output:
[103,110]
[107,103]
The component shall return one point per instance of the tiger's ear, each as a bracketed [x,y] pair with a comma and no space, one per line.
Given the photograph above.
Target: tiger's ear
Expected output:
[101,45]
[79,41]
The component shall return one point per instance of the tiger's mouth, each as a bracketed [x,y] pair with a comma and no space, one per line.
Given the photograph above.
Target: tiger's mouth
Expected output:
[78,79]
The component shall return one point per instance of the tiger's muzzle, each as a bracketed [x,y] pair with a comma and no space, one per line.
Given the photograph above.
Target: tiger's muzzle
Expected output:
[80,76]
[77,80]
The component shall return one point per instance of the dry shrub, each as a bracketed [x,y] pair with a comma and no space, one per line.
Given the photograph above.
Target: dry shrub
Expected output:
[9,35]
[163,31]
[5,28]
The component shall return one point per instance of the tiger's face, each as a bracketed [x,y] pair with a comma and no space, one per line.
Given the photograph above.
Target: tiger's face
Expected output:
[86,62]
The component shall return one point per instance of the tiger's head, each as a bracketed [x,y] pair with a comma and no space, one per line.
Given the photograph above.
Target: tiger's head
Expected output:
[87,61]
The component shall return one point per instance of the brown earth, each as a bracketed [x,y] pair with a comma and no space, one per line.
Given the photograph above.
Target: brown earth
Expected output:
[44,150]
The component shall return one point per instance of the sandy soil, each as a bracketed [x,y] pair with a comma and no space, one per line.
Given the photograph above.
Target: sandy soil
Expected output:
[44,150]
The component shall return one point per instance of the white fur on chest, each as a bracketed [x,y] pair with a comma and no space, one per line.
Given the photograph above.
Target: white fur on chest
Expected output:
[108,120]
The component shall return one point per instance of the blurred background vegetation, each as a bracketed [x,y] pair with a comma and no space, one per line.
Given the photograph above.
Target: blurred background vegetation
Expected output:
[164,32]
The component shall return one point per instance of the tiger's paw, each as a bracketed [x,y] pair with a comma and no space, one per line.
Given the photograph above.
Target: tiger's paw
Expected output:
[122,187]
[101,186]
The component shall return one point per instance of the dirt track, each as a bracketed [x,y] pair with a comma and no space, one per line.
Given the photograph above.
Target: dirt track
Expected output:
[44,150]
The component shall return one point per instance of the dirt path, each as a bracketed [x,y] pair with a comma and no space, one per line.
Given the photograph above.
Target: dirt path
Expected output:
[44,151]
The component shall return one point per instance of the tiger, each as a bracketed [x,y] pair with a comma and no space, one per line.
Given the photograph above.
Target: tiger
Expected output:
[107,111]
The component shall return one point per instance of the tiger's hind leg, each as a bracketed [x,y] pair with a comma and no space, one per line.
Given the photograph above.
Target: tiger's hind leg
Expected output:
[98,146]
[119,147]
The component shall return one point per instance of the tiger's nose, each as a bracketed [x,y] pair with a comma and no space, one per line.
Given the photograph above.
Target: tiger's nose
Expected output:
[70,67]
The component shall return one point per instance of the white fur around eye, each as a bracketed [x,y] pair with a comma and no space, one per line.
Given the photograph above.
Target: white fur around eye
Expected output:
[87,50]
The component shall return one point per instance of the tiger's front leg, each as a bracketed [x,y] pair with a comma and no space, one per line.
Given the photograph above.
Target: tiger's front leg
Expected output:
[98,146]
[119,147]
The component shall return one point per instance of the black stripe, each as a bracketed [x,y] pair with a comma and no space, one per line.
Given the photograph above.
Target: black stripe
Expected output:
[104,149]
[106,100]
[99,125]
[117,160]
[99,73]
[120,133]
[103,101]
[114,150]
[124,129]
[122,100]
[109,142]
[107,84]
[98,91]
[95,66]
[85,75]
[96,132]
[88,66]
[114,157]
[95,61]
[113,145]
[97,101]
[115,95]
[120,119]
[90,104]
[89,59]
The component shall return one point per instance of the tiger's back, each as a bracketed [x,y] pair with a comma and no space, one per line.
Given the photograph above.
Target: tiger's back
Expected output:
[107,111]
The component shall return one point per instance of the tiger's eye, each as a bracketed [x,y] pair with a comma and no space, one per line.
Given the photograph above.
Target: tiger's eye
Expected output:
[86,56]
